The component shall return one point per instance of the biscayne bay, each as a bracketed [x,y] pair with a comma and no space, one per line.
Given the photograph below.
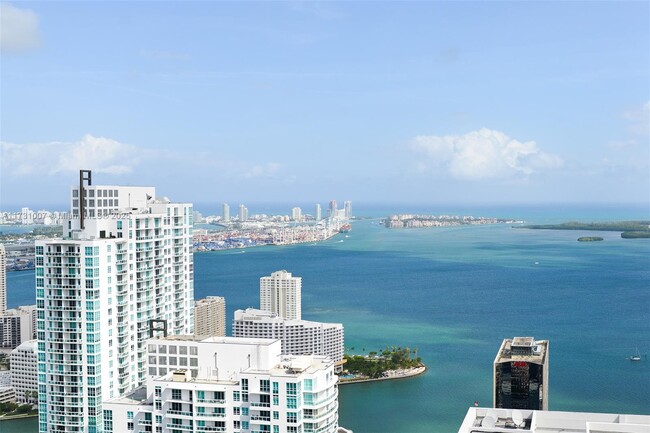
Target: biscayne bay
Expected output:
[455,293]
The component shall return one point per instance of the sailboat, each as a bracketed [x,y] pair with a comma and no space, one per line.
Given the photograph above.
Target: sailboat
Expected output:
[636,356]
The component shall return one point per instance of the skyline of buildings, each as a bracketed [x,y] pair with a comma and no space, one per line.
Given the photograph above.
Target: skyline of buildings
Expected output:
[125,259]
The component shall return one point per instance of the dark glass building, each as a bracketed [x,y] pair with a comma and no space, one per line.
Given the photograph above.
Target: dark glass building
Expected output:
[521,374]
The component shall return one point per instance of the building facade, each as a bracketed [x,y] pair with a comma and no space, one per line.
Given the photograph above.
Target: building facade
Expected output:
[16,326]
[299,337]
[231,385]
[226,212]
[296,214]
[280,293]
[243,213]
[210,317]
[347,209]
[24,375]
[3,280]
[318,212]
[521,374]
[125,259]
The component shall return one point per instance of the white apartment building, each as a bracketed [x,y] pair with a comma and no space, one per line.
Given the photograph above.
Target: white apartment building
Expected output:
[299,337]
[243,213]
[125,259]
[485,420]
[3,280]
[226,212]
[317,212]
[210,317]
[226,384]
[296,214]
[24,376]
[280,293]
[347,209]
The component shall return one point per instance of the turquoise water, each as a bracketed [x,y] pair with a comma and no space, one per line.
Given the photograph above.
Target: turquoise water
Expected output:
[455,293]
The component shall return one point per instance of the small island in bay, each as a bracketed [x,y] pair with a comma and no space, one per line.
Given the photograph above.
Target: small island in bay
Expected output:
[391,363]
[589,239]
[418,221]
[628,229]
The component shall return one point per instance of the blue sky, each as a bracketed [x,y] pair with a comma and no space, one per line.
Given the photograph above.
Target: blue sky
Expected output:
[420,102]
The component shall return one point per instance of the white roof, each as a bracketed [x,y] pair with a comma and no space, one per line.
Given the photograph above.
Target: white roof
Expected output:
[488,420]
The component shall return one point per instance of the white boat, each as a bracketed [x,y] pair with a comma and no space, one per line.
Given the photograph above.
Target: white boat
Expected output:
[636,356]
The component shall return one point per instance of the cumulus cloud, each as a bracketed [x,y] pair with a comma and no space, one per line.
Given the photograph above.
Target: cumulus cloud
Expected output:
[102,155]
[18,29]
[483,154]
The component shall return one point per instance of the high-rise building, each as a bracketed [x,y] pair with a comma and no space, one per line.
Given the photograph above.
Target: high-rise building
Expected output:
[280,293]
[16,326]
[210,317]
[347,207]
[317,213]
[24,374]
[521,374]
[124,262]
[226,212]
[243,213]
[299,337]
[331,211]
[296,214]
[226,384]
[3,280]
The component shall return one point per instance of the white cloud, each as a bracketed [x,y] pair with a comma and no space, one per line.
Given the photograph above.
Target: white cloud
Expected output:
[483,154]
[18,29]
[262,170]
[639,119]
[99,154]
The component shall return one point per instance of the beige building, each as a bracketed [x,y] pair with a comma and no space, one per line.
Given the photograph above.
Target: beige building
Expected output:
[280,293]
[210,317]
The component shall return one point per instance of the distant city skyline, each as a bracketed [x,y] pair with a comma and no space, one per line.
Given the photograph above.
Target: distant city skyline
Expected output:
[303,102]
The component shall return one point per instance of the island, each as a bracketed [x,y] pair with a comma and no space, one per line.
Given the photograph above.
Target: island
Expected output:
[589,239]
[391,363]
[418,221]
[628,229]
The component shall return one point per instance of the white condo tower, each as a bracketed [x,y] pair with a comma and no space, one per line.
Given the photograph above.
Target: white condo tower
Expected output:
[280,293]
[124,263]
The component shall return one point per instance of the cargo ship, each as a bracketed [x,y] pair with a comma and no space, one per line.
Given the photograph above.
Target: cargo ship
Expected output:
[345,228]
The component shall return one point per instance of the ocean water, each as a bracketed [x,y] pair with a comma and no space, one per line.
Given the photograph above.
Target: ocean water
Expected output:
[454,294]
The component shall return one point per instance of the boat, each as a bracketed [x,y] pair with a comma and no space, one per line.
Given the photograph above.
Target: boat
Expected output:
[636,356]
[345,228]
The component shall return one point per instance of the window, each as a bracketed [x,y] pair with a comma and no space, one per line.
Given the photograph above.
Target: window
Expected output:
[291,389]
[176,394]
[292,417]
[236,411]
[264,385]
[235,396]
[244,411]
